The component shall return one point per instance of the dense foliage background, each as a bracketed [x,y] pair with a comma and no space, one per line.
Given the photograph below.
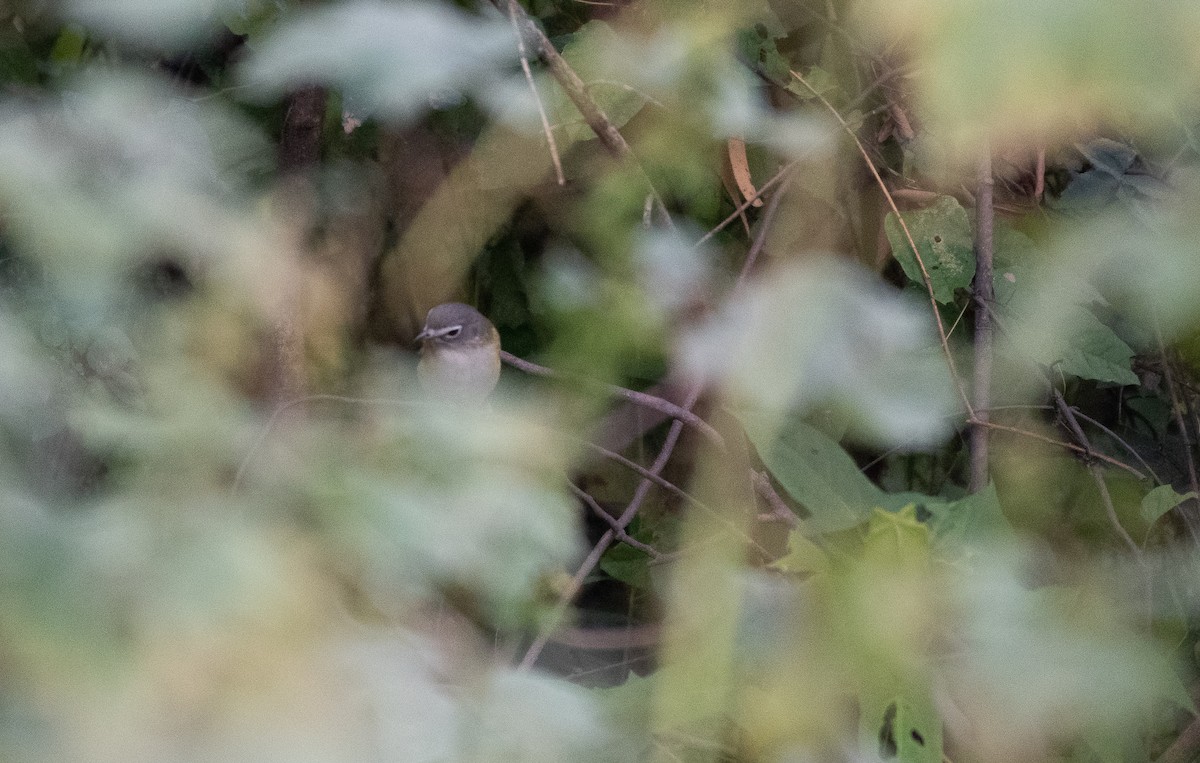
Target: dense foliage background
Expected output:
[871,426]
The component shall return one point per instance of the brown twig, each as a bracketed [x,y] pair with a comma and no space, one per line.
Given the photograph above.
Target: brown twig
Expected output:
[657,479]
[606,540]
[773,181]
[945,342]
[1109,509]
[780,511]
[1051,441]
[633,396]
[550,142]
[575,88]
[760,241]
[984,295]
[1039,174]
[615,526]
[635,503]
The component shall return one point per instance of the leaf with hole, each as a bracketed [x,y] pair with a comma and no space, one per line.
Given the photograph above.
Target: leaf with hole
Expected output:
[942,233]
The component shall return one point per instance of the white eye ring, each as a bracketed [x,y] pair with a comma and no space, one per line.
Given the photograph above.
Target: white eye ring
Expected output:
[452,332]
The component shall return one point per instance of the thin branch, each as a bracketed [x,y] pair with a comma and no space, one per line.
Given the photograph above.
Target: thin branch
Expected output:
[1051,441]
[764,227]
[642,490]
[773,181]
[616,528]
[550,142]
[780,511]
[575,88]
[1117,439]
[633,396]
[945,342]
[1039,175]
[634,466]
[984,295]
[606,540]
[1098,476]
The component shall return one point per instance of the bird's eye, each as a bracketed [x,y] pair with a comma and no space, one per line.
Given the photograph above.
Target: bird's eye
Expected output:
[453,332]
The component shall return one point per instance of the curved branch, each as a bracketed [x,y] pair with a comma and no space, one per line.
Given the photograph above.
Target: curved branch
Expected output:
[640,398]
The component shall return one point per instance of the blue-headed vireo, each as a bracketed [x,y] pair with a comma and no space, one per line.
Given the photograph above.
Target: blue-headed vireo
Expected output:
[460,354]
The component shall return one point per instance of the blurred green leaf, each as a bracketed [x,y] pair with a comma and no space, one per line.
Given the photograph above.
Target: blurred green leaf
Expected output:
[827,334]
[395,60]
[803,557]
[1028,73]
[1160,500]
[152,23]
[943,236]
[628,565]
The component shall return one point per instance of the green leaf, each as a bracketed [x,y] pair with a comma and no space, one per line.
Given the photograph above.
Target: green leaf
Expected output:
[815,471]
[1160,500]
[904,726]
[153,23]
[820,81]
[628,565]
[897,537]
[969,522]
[1011,258]
[942,233]
[387,59]
[1096,352]
[828,335]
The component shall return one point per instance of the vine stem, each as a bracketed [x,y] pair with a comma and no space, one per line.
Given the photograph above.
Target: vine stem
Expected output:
[984,331]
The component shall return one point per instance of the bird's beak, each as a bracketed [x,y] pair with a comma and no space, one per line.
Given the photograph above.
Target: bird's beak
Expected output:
[425,334]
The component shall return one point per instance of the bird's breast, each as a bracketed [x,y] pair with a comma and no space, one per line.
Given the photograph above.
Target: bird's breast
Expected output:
[461,374]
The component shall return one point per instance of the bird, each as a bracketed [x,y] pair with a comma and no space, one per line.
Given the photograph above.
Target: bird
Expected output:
[460,354]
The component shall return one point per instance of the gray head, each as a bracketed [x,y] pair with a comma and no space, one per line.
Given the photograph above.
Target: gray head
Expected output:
[454,323]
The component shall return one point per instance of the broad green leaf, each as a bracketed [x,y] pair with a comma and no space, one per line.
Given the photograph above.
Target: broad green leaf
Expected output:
[1062,652]
[943,236]
[1013,257]
[902,726]
[1094,352]
[970,522]
[627,564]
[897,537]
[815,471]
[1160,500]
